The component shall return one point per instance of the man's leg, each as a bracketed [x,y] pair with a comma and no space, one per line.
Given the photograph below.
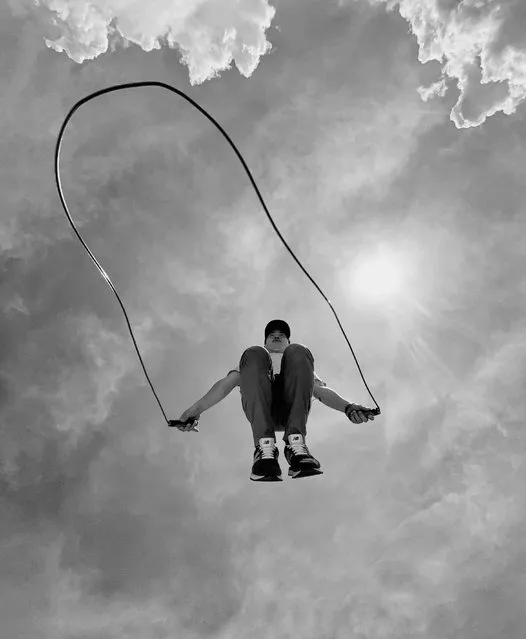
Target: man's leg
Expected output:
[297,379]
[255,383]
[297,370]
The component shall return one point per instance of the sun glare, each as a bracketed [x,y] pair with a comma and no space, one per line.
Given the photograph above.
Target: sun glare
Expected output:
[379,275]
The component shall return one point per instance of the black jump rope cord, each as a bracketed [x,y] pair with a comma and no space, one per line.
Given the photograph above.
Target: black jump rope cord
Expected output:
[131,85]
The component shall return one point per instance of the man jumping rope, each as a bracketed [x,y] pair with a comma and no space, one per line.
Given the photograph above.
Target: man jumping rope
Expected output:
[277,383]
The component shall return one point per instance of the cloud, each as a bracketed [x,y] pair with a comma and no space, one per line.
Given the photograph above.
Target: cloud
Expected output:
[210,34]
[481,46]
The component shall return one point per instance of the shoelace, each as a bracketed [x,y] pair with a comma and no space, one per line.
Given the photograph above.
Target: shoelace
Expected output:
[299,448]
[267,451]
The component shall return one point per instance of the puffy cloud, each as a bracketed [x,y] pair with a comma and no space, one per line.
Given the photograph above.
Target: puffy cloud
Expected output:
[481,45]
[210,34]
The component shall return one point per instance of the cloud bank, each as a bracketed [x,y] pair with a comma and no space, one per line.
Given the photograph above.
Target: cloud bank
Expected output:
[480,45]
[210,34]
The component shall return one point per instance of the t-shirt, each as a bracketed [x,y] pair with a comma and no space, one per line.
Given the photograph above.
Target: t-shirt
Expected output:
[276,367]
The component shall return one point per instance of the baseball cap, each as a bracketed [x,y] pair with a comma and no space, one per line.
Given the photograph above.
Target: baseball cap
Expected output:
[277,325]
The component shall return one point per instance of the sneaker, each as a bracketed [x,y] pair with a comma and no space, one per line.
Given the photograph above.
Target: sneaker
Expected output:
[266,466]
[301,462]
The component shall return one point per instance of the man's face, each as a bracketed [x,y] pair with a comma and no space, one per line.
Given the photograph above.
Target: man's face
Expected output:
[276,342]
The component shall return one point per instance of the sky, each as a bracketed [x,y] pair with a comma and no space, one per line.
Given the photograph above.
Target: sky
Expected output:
[388,141]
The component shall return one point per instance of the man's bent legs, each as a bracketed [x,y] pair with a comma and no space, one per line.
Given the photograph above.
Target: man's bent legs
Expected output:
[297,385]
[255,369]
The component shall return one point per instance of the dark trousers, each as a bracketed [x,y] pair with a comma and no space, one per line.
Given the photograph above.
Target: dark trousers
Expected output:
[282,404]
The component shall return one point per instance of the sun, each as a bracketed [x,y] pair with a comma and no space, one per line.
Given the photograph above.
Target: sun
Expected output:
[380,275]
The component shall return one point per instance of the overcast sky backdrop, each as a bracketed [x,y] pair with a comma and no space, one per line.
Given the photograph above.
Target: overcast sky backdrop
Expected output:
[379,133]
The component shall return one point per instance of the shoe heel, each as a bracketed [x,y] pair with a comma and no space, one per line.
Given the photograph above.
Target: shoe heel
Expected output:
[272,478]
[304,472]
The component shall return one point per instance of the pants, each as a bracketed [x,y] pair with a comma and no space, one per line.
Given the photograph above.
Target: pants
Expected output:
[280,404]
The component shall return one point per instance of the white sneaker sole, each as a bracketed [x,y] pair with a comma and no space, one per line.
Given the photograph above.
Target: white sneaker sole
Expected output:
[304,472]
[266,477]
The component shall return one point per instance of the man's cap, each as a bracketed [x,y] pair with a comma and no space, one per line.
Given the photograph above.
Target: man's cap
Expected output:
[277,325]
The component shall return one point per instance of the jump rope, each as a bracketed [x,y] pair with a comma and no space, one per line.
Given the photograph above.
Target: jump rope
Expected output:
[130,85]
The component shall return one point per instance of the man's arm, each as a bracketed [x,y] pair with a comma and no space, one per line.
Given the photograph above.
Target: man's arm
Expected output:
[330,398]
[356,413]
[216,394]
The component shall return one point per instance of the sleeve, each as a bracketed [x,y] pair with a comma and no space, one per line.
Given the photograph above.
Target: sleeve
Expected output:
[234,370]
[318,381]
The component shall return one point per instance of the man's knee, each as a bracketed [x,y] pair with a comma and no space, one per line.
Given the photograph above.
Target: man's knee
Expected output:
[256,353]
[296,347]
[297,350]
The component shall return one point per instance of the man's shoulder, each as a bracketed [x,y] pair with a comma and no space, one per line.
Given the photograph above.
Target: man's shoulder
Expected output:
[234,376]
